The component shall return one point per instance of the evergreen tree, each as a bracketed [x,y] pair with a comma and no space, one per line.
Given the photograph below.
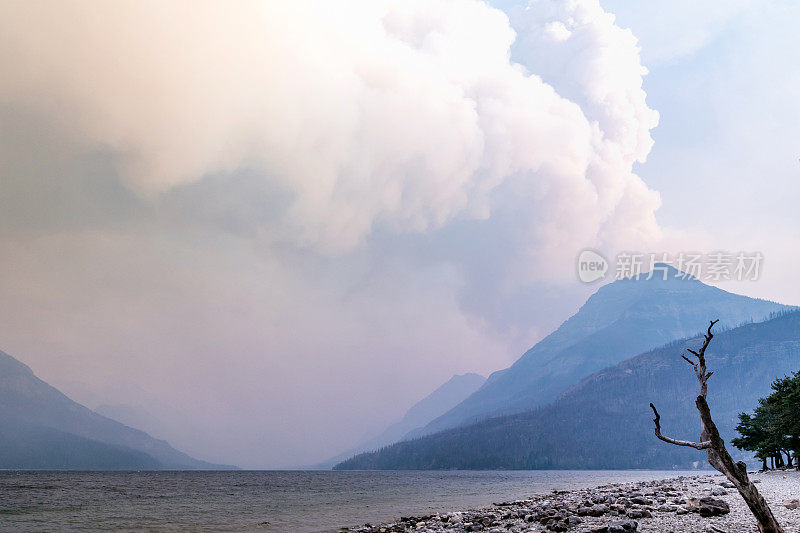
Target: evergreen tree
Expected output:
[773,430]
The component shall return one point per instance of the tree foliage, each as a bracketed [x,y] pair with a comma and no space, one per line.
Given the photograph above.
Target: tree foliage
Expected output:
[773,430]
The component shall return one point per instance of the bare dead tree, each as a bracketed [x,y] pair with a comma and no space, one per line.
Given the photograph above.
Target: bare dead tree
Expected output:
[711,442]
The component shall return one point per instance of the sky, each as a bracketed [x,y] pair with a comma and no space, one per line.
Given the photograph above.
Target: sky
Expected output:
[271,227]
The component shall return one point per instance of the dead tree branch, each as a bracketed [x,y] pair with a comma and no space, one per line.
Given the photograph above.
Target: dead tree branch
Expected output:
[712,443]
[695,445]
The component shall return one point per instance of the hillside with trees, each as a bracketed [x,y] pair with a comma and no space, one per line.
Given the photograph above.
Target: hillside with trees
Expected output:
[605,421]
[621,320]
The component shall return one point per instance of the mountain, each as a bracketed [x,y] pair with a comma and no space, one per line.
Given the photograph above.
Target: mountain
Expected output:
[133,416]
[447,396]
[40,428]
[620,320]
[605,420]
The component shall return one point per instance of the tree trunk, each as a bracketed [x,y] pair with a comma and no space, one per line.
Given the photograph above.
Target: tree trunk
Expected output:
[718,456]
[736,473]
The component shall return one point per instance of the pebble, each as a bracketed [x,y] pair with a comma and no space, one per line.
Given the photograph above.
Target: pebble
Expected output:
[697,504]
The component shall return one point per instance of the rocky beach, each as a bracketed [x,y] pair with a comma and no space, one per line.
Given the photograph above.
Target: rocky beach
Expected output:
[705,503]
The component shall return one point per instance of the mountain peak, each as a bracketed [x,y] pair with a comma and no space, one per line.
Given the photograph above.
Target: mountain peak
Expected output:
[623,318]
[662,272]
[438,402]
[42,428]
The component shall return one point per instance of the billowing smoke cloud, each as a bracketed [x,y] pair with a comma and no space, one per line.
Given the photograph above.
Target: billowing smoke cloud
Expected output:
[290,219]
[404,114]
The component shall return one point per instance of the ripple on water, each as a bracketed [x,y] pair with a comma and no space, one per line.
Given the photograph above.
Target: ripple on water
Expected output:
[265,501]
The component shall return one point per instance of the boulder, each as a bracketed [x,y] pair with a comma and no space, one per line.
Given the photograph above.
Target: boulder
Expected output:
[623,526]
[573,520]
[638,513]
[598,510]
[710,507]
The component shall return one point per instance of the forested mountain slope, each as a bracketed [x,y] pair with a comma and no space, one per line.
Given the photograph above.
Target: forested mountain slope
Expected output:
[605,420]
[620,320]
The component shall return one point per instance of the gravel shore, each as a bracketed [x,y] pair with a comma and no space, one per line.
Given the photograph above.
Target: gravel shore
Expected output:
[706,504]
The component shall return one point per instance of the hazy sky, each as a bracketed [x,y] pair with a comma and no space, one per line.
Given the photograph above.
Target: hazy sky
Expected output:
[273,226]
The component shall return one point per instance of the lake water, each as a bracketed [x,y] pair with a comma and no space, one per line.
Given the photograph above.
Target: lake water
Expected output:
[265,500]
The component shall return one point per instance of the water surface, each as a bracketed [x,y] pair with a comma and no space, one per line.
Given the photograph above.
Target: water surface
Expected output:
[265,500]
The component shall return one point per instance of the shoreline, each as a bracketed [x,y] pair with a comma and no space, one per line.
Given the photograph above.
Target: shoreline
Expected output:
[704,503]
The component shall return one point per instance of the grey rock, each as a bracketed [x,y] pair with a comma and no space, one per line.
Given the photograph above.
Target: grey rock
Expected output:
[638,513]
[623,526]
[598,510]
[712,507]
[573,520]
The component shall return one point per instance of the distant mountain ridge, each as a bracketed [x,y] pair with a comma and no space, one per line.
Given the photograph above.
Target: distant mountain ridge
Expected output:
[444,398]
[620,320]
[41,428]
[605,420]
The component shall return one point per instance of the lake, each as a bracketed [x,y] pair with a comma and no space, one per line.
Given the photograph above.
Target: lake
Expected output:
[266,500]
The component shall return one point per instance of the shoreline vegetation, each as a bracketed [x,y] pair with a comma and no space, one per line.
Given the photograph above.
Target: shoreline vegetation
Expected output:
[685,504]
[773,430]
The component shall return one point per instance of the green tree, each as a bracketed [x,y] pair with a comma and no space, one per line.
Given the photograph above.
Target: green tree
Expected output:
[787,392]
[753,436]
[773,430]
